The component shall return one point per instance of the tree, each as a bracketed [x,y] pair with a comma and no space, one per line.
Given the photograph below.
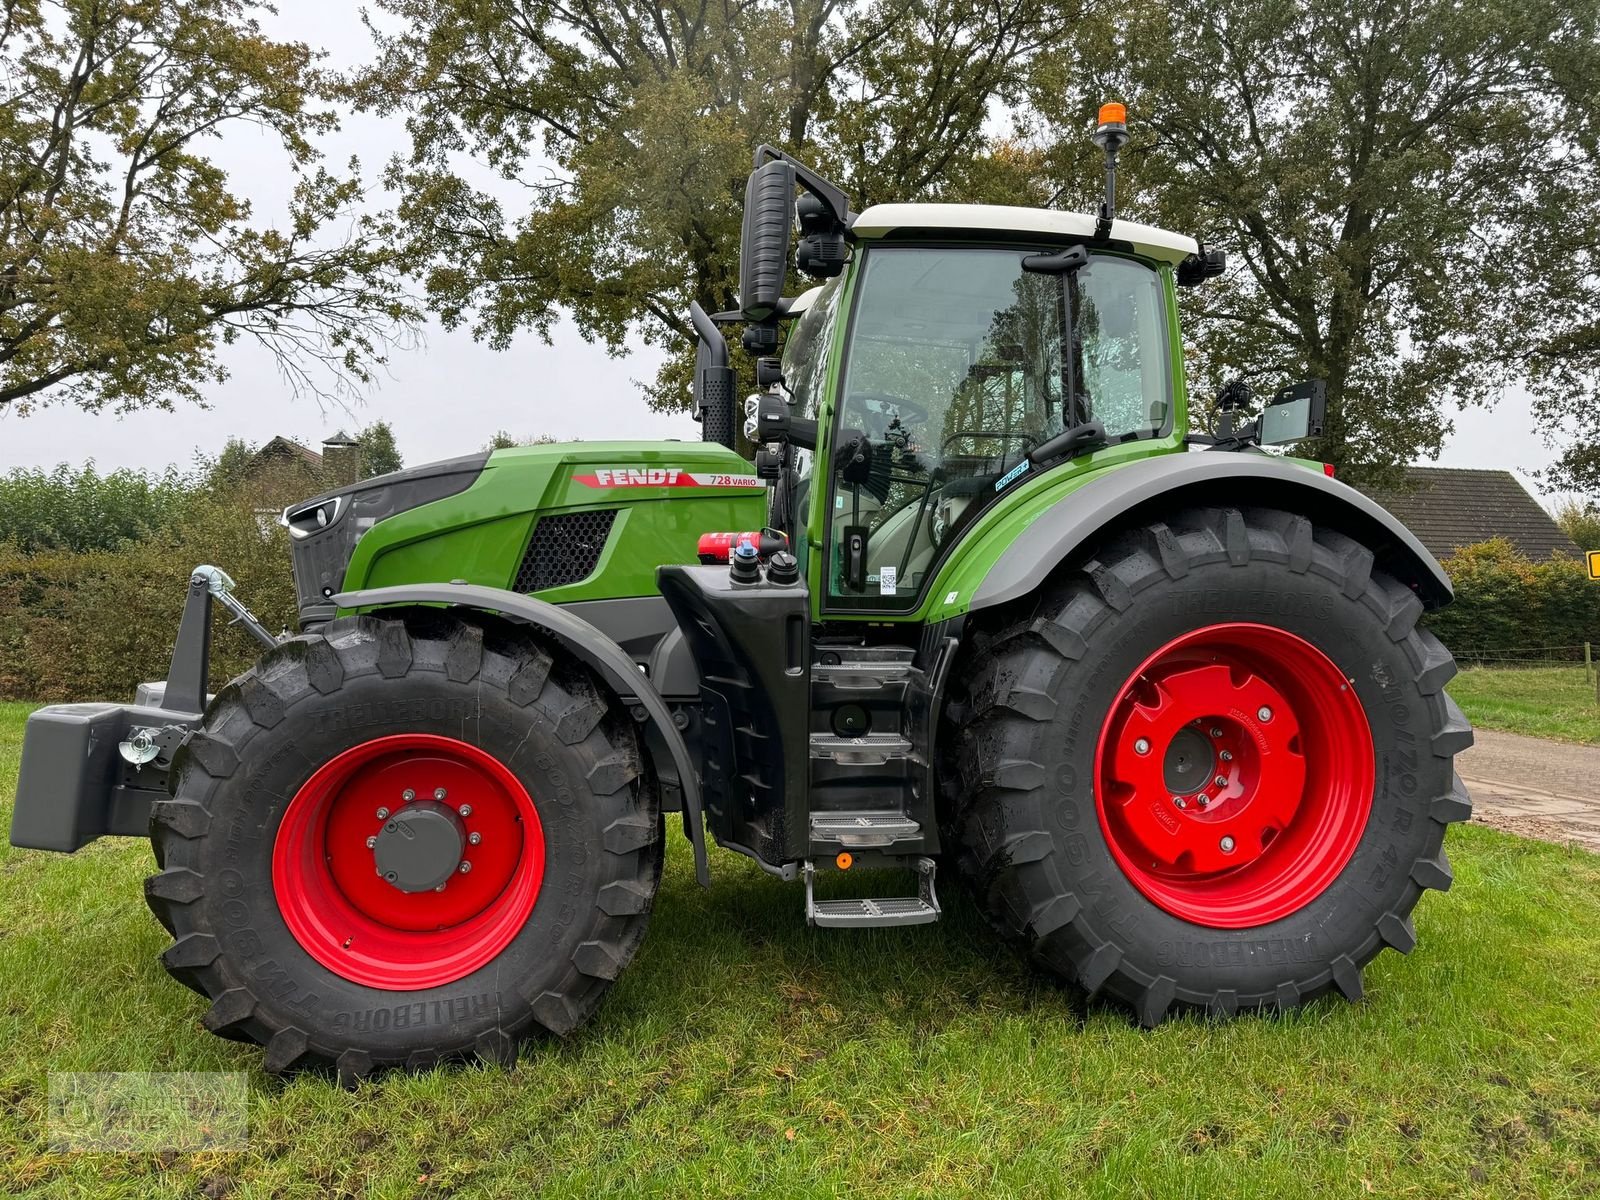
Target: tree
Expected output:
[502,440]
[629,125]
[126,257]
[1580,522]
[1560,316]
[1375,172]
[379,454]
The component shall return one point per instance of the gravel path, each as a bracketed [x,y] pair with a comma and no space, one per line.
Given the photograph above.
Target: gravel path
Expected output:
[1540,789]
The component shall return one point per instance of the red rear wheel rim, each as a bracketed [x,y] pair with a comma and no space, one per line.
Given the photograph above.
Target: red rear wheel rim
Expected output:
[1234,775]
[347,916]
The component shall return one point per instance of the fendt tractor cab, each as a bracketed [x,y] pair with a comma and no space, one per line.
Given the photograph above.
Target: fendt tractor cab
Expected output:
[981,603]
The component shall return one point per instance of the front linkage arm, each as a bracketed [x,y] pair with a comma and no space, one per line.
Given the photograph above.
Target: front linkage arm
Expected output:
[187,677]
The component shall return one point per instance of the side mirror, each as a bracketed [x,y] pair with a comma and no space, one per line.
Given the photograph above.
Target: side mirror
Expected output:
[1295,413]
[1197,268]
[764,243]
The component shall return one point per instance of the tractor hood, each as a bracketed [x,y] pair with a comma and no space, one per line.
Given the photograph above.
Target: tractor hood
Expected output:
[567,521]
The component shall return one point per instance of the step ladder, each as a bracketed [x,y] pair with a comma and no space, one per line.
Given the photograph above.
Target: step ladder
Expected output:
[872,829]
[875,912]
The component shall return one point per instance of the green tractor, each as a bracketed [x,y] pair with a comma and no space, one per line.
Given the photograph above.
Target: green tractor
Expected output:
[980,604]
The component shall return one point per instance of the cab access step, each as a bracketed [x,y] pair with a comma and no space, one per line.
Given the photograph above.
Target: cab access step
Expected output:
[875,912]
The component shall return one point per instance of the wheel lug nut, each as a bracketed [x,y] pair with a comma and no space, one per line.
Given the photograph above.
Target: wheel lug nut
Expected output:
[465,810]
[1221,781]
[372,841]
[1227,844]
[440,888]
[1226,756]
[391,876]
[1180,802]
[464,867]
[383,814]
[1142,746]
[438,793]
[1202,799]
[474,838]
[1216,731]
[1264,713]
[408,795]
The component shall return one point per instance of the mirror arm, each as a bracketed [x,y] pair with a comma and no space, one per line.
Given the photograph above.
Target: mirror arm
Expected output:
[831,195]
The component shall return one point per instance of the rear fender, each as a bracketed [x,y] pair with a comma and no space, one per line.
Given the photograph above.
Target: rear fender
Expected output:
[590,646]
[1150,487]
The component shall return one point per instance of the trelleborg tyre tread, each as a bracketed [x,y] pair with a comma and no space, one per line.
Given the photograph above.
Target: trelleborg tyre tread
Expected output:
[527,704]
[1026,713]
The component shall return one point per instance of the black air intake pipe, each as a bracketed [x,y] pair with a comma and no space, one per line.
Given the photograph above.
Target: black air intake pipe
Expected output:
[713,380]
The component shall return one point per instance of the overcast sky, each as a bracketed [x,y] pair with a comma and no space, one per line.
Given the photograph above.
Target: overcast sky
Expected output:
[449,395]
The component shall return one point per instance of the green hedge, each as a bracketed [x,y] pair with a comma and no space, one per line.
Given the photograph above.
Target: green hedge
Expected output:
[90,626]
[78,509]
[1509,607]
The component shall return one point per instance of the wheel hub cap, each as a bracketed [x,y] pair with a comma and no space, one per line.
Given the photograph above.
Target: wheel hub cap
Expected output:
[420,847]
[1188,762]
[1234,775]
[386,883]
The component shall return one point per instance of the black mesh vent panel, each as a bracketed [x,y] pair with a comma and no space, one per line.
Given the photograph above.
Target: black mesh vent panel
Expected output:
[564,549]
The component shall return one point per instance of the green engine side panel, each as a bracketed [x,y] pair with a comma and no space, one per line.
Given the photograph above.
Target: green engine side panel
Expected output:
[666,495]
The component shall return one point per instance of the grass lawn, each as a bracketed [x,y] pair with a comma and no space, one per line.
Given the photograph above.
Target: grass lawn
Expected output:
[1549,702]
[745,1054]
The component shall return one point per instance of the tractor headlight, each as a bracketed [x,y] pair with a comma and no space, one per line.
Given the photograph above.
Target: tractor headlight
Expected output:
[325,529]
[303,520]
[752,407]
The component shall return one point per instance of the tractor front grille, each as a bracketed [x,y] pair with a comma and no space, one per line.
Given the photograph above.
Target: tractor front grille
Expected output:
[564,549]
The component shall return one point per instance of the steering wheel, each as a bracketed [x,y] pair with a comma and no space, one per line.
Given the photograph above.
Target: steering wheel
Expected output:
[899,406]
[998,435]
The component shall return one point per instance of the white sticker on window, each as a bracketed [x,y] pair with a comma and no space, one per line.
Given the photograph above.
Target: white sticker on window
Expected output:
[886,580]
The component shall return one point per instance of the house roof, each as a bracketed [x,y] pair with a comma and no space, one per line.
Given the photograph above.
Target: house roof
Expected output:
[1451,507]
[951,219]
[282,447]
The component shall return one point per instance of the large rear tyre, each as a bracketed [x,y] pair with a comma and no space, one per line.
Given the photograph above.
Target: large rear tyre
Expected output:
[397,842]
[1211,768]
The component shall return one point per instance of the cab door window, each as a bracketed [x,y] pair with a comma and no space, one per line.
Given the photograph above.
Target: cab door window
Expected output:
[959,362]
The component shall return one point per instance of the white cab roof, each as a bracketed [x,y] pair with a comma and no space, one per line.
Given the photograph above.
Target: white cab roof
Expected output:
[1155,243]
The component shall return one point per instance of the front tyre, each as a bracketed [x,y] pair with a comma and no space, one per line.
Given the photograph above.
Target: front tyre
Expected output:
[397,842]
[1212,768]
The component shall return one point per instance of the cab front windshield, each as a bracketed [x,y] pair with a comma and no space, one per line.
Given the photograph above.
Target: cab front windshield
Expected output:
[959,363]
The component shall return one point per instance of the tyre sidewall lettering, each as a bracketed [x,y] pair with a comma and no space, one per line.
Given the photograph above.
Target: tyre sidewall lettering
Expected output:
[282,974]
[1311,607]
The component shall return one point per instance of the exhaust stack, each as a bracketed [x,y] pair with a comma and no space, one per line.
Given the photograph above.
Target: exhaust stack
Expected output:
[713,380]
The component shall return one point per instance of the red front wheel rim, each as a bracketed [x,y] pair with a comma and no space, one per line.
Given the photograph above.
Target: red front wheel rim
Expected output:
[408,861]
[1234,775]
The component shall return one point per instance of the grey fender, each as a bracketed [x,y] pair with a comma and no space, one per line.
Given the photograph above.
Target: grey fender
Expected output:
[592,647]
[1153,486]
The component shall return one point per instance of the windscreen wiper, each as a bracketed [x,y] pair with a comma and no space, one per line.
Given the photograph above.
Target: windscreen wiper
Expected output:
[1069,442]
